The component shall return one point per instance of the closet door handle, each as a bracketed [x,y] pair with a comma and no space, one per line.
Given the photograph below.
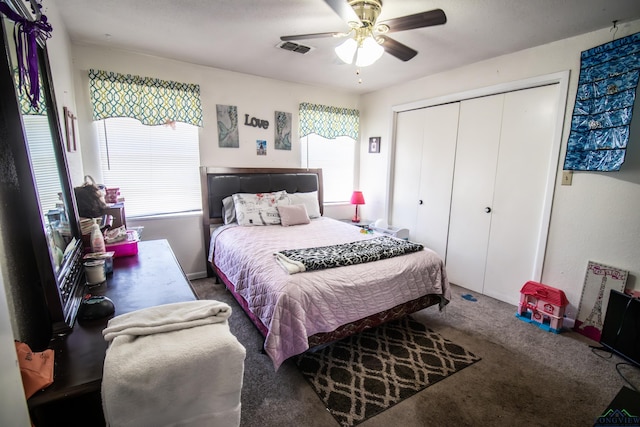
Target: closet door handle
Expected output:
[487,209]
[420,202]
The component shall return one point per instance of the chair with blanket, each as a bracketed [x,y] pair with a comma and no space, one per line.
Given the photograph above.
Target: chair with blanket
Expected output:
[174,364]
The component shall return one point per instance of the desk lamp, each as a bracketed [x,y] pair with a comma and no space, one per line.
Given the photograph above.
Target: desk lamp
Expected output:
[357,199]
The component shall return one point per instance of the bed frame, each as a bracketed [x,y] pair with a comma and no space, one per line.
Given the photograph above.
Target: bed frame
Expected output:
[218,183]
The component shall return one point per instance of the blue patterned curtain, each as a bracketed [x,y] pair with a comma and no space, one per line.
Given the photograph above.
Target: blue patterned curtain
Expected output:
[328,122]
[152,101]
[604,105]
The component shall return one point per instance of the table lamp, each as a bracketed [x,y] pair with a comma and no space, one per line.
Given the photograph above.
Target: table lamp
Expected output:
[357,199]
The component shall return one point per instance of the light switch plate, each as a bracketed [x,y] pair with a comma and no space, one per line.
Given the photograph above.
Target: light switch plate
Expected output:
[567,177]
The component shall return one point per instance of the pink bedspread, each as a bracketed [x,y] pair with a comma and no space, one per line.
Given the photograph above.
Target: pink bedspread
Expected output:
[297,306]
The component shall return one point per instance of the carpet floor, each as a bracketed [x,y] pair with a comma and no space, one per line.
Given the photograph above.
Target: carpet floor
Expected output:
[527,376]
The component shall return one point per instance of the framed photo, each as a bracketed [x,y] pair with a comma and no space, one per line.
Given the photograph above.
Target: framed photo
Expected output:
[261,147]
[374,144]
[69,129]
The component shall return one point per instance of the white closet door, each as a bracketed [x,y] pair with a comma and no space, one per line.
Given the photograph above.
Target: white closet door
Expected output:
[423,171]
[407,159]
[524,160]
[473,183]
[438,156]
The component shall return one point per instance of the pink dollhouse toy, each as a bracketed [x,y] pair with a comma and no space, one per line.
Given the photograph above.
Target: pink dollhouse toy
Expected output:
[542,305]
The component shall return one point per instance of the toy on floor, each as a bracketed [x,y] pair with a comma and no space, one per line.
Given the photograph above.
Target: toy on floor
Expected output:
[542,305]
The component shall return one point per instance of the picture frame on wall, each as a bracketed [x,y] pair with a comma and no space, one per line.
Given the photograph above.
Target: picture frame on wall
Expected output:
[282,131]
[374,144]
[69,129]
[227,116]
[261,147]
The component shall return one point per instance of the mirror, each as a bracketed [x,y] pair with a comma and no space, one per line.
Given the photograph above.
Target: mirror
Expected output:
[56,235]
[40,143]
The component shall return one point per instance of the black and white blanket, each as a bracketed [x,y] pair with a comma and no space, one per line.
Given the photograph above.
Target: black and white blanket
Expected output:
[299,260]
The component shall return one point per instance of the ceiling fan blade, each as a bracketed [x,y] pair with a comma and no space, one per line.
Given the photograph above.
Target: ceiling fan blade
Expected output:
[344,10]
[419,20]
[312,36]
[397,49]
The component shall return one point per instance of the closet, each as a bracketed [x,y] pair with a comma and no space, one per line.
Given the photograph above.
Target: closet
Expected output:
[470,181]
[424,161]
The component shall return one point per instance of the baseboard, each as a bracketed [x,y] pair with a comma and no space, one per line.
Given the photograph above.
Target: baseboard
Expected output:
[197,275]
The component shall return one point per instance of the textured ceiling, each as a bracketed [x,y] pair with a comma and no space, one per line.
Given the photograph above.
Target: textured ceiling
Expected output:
[241,35]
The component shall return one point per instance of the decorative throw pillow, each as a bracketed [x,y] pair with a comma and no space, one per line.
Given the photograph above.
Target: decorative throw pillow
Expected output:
[260,208]
[310,200]
[228,210]
[293,215]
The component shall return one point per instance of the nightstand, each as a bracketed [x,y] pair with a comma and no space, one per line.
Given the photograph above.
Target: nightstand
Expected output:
[362,224]
[400,233]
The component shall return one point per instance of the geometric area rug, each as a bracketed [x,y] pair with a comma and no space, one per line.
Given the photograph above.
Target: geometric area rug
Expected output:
[364,374]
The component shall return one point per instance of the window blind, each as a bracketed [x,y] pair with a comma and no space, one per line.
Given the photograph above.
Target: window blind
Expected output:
[155,167]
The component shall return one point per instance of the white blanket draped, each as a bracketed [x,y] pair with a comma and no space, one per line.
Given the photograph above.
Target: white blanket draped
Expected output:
[173,365]
[167,318]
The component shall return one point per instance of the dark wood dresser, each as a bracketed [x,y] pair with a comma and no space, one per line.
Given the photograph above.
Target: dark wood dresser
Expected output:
[152,277]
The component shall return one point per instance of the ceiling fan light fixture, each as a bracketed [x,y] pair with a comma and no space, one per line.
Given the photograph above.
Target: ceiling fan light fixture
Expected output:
[369,52]
[347,50]
[362,17]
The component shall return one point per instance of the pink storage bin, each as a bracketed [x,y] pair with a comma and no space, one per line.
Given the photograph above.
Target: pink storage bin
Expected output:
[126,247]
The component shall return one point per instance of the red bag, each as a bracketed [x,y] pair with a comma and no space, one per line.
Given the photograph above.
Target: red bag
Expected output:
[36,368]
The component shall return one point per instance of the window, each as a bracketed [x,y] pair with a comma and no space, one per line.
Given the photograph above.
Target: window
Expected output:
[155,167]
[45,170]
[148,136]
[328,138]
[336,157]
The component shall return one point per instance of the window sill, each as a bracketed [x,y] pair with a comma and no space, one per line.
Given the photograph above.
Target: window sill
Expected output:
[165,216]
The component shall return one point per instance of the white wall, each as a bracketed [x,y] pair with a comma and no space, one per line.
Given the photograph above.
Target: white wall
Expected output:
[256,96]
[594,219]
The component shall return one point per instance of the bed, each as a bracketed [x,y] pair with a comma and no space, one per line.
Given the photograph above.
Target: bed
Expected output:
[295,312]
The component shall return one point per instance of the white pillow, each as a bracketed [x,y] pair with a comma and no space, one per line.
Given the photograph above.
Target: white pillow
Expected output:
[228,210]
[260,208]
[310,200]
[293,215]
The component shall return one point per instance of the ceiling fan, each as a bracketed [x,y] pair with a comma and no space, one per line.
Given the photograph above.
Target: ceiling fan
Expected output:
[368,38]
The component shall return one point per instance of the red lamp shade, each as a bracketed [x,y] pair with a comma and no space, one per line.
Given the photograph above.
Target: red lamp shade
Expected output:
[357,199]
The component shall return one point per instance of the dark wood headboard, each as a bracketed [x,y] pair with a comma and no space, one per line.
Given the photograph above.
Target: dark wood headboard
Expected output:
[218,183]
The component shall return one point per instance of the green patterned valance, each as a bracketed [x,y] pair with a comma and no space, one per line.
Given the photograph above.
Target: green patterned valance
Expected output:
[328,122]
[26,107]
[152,101]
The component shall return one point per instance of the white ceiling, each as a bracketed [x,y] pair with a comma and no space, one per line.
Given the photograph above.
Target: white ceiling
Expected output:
[241,35]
